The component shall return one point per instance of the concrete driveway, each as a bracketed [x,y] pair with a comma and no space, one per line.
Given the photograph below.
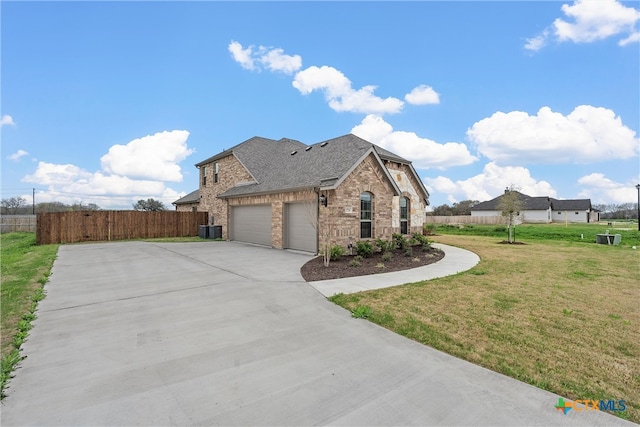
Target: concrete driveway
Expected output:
[220,333]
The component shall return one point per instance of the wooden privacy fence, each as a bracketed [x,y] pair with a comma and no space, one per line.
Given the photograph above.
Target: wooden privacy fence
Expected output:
[465,219]
[85,226]
[9,223]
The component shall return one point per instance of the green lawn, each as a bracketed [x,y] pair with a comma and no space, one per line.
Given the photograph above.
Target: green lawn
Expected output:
[25,268]
[559,312]
[585,233]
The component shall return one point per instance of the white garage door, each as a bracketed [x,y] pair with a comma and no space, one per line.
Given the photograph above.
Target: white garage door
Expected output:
[251,224]
[300,234]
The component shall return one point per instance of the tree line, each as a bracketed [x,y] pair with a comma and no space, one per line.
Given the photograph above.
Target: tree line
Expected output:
[617,211]
[19,206]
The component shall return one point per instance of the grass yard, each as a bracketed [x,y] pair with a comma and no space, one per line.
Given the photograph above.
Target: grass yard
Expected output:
[561,314]
[25,268]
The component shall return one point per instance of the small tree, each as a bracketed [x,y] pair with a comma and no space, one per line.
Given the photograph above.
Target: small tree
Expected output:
[149,205]
[510,205]
[13,204]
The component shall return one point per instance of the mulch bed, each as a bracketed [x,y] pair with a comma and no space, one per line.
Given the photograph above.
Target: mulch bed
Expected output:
[315,269]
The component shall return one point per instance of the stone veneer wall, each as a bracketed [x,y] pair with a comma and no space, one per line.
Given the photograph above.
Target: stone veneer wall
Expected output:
[408,185]
[188,207]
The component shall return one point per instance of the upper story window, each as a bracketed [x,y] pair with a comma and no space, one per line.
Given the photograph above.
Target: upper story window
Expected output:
[404,215]
[215,172]
[366,215]
[204,176]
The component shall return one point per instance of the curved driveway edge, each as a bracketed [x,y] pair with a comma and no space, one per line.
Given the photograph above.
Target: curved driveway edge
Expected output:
[455,261]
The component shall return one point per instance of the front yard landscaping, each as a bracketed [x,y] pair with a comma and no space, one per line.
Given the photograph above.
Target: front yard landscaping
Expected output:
[561,315]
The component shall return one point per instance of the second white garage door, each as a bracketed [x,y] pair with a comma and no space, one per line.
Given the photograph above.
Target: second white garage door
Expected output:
[300,234]
[251,224]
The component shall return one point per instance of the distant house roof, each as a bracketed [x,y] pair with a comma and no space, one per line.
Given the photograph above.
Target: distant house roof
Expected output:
[538,203]
[571,205]
[288,164]
[193,197]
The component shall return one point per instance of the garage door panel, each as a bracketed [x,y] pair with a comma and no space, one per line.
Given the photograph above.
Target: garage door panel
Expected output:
[300,232]
[251,224]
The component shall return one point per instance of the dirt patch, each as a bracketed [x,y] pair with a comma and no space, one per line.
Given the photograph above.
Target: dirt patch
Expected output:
[375,264]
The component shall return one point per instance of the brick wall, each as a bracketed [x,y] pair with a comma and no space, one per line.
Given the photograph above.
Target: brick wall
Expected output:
[230,172]
[340,220]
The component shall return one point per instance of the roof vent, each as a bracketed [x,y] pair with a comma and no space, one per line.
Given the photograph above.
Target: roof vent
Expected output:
[293,152]
[323,144]
[308,148]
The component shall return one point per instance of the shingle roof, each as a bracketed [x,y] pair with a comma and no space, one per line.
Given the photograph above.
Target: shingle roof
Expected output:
[538,203]
[193,197]
[571,204]
[289,164]
[492,205]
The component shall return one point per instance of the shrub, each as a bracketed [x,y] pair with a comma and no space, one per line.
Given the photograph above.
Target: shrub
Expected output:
[400,240]
[386,257]
[364,248]
[385,245]
[336,252]
[420,239]
[356,262]
[429,228]
[408,251]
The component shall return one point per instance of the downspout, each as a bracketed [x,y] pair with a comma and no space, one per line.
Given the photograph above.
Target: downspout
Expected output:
[317,191]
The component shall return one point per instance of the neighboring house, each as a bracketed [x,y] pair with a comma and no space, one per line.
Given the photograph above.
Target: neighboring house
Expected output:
[188,203]
[286,194]
[542,209]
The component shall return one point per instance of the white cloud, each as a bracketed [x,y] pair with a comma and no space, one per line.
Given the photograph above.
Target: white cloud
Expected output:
[154,157]
[277,60]
[242,56]
[7,120]
[129,173]
[421,95]
[17,155]
[601,189]
[590,20]
[587,134]
[56,174]
[423,152]
[337,88]
[274,59]
[339,93]
[538,42]
[489,184]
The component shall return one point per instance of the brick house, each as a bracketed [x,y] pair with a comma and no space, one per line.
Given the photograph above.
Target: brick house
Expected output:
[286,194]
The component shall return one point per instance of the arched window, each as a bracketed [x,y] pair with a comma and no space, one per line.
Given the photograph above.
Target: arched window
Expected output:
[404,215]
[366,215]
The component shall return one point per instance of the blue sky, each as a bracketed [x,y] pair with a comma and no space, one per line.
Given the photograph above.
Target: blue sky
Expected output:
[111,102]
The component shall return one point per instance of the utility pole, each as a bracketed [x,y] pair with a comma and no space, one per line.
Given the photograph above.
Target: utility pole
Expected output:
[638,206]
